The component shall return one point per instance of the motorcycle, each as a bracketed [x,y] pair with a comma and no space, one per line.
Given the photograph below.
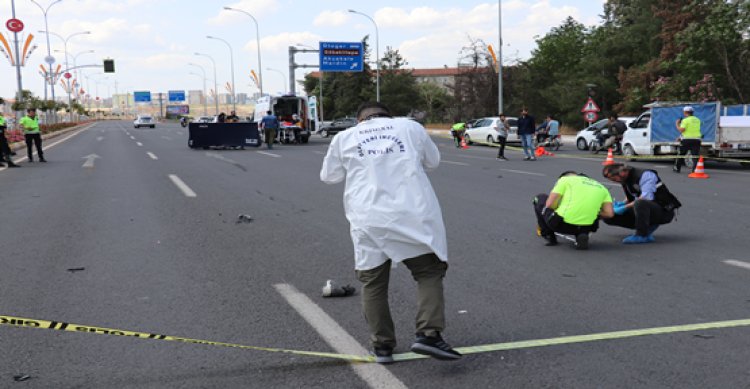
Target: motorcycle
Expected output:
[183,122]
[597,143]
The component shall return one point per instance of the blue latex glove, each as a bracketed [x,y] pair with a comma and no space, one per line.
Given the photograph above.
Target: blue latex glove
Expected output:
[619,208]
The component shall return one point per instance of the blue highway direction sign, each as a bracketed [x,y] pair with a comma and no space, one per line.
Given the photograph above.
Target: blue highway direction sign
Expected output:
[142,97]
[176,95]
[341,56]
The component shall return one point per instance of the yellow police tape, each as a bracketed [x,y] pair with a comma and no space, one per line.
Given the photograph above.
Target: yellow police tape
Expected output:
[62,326]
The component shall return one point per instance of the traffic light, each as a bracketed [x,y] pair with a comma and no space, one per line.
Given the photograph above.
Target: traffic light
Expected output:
[109,66]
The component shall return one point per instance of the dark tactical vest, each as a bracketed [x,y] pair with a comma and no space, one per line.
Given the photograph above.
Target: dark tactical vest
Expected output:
[663,196]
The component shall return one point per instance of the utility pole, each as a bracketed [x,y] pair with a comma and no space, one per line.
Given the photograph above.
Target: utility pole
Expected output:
[293,66]
[19,96]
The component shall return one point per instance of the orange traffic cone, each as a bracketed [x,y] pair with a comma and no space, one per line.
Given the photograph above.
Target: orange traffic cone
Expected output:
[539,151]
[463,144]
[699,170]
[610,158]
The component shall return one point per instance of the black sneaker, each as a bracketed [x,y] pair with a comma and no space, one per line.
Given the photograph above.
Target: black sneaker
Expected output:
[551,240]
[435,347]
[582,241]
[383,355]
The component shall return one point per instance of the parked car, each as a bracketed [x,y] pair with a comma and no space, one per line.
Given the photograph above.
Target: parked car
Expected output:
[204,119]
[486,130]
[588,134]
[337,126]
[144,121]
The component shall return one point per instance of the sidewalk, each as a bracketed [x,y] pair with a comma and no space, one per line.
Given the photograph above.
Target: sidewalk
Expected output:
[22,145]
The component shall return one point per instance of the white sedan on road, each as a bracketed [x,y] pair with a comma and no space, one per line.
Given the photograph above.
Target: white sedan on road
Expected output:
[486,130]
[144,121]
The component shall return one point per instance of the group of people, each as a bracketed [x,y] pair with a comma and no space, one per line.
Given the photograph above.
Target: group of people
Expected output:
[577,203]
[272,128]
[395,216]
[32,135]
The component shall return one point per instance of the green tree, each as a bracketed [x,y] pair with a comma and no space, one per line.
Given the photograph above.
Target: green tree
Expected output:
[398,88]
[436,102]
[475,88]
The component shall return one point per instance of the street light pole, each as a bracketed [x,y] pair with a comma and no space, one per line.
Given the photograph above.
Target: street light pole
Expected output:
[19,95]
[216,85]
[500,57]
[231,63]
[377,54]
[283,76]
[50,59]
[205,96]
[65,45]
[257,39]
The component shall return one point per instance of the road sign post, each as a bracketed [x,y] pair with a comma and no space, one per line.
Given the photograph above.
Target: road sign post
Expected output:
[590,111]
[341,57]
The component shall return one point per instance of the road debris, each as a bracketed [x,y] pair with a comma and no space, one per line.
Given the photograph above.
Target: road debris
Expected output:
[331,290]
[242,218]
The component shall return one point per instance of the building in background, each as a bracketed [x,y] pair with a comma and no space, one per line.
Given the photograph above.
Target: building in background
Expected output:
[196,97]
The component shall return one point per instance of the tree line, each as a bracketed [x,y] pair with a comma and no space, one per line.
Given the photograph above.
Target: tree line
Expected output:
[641,51]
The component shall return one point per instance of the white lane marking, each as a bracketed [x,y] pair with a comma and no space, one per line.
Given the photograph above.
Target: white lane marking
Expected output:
[524,172]
[166,137]
[269,154]
[455,163]
[611,184]
[152,155]
[319,152]
[89,160]
[660,166]
[733,262]
[182,186]
[376,376]
[132,137]
[99,138]
[139,144]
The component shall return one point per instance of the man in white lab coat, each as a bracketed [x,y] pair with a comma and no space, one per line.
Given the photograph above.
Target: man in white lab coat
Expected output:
[394,217]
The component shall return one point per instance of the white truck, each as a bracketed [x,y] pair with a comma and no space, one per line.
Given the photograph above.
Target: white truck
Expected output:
[284,107]
[654,132]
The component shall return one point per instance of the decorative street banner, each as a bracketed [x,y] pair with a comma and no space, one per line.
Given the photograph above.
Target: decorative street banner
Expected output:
[341,57]
[176,95]
[142,96]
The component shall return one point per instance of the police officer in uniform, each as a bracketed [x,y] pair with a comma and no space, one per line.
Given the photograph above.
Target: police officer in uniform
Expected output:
[690,140]
[649,202]
[5,152]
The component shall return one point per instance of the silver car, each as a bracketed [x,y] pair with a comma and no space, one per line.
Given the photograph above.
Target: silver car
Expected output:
[144,121]
[486,130]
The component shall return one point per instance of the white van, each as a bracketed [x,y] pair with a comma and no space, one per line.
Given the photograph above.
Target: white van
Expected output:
[284,107]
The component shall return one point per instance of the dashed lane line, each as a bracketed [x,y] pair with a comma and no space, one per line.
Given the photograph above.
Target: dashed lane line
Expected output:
[524,172]
[152,156]
[455,163]
[734,262]
[182,186]
[139,144]
[376,376]
[269,154]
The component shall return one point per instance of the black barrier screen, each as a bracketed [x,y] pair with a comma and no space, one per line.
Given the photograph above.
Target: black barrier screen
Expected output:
[223,134]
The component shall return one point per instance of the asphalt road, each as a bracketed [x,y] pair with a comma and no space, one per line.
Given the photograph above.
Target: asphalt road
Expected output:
[163,259]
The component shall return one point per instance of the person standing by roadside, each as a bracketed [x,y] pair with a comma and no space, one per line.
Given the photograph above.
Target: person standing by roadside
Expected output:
[502,136]
[269,124]
[394,217]
[32,134]
[690,140]
[5,153]
[526,128]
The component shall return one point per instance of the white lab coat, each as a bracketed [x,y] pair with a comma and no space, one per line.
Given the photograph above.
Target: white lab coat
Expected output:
[392,209]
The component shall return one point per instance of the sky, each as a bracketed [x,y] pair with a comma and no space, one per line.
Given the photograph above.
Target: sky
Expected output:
[152,41]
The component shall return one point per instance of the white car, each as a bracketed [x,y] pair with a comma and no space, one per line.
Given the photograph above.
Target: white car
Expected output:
[486,130]
[588,134]
[204,119]
[144,121]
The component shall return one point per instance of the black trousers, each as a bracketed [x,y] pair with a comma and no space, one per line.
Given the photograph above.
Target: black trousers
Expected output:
[691,145]
[501,149]
[644,214]
[4,147]
[36,139]
[544,215]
